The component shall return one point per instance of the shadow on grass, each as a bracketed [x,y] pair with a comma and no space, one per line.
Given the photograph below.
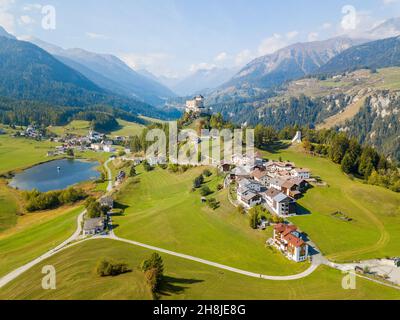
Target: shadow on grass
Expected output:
[172,285]
[302,211]
[121,207]
[276,147]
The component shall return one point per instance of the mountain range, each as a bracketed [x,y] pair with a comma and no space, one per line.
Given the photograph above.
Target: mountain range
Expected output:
[109,72]
[376,54]
[31,73]
[292,62]
[200,81]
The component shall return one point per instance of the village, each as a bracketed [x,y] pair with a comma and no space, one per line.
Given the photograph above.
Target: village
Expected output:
[274,185]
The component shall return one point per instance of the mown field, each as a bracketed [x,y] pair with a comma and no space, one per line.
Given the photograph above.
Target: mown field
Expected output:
[375,229]
[35,234]
[9,207]
[161,210]
[128,129]
[19,153]
[77,127]
[77,279]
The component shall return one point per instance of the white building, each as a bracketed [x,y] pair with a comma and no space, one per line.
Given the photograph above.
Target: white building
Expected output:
[301,173]
[196,106]
[108,148]
[279,203]
[289,241]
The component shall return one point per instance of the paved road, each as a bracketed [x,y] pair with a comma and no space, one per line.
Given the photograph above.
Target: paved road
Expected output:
[67,243]
[304,274]
[109,174]
[73,240]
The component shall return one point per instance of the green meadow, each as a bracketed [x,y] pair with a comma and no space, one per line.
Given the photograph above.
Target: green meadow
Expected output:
[19,153]
[374,231]
[76,279]
[24,244]
[161,210]
[128,129]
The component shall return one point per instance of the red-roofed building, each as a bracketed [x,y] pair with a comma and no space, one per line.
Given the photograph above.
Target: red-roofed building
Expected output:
[289,241]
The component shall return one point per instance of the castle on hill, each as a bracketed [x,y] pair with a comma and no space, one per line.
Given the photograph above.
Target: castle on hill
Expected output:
[196,106]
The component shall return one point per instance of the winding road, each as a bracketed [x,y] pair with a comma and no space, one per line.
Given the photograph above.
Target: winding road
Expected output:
[76,238]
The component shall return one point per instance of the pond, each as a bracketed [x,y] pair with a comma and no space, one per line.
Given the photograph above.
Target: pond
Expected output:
[56,175]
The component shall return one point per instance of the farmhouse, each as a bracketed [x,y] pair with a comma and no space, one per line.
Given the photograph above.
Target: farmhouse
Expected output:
[107,201]
[289,241]
[301,173]
[93,226]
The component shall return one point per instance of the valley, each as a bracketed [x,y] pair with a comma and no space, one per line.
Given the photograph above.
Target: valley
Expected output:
[282,181]
[158,208]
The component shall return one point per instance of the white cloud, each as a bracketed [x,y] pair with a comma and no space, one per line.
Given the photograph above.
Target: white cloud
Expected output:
[243,57]
[271,44]
[97,36]
[153,62]
[7,19]
[32,7]
[313,36]
[326,26]
[221,57]
[25,19]
[292,34]
[388,2]
[356,23]
[201,66]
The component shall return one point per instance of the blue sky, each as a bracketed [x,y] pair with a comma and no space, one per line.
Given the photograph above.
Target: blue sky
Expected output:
[176,37]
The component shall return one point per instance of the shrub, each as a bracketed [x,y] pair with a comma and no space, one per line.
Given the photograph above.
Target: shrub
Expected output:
[198,182]
[107,267]
[147,167]
[205,191]
[213,203]
[50,200]
[132,171]
[207,173]
[241,210]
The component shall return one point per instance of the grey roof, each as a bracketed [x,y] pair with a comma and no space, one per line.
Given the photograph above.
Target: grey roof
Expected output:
[94,223]
[249,195]
[106,200]
[281,197]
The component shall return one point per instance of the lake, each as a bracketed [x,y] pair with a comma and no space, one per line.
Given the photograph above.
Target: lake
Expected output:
[56,175]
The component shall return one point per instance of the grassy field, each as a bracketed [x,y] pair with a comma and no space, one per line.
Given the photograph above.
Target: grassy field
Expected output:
[19,153]
[81,128]
[184,280]
[77,127]
[161,210]
[9,207]
[375,229]
[34,235]
[128,129]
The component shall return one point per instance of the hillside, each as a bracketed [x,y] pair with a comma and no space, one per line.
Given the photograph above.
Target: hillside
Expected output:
[290,63]
[329,103]
[109,72]
[30,73]
[377,54]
